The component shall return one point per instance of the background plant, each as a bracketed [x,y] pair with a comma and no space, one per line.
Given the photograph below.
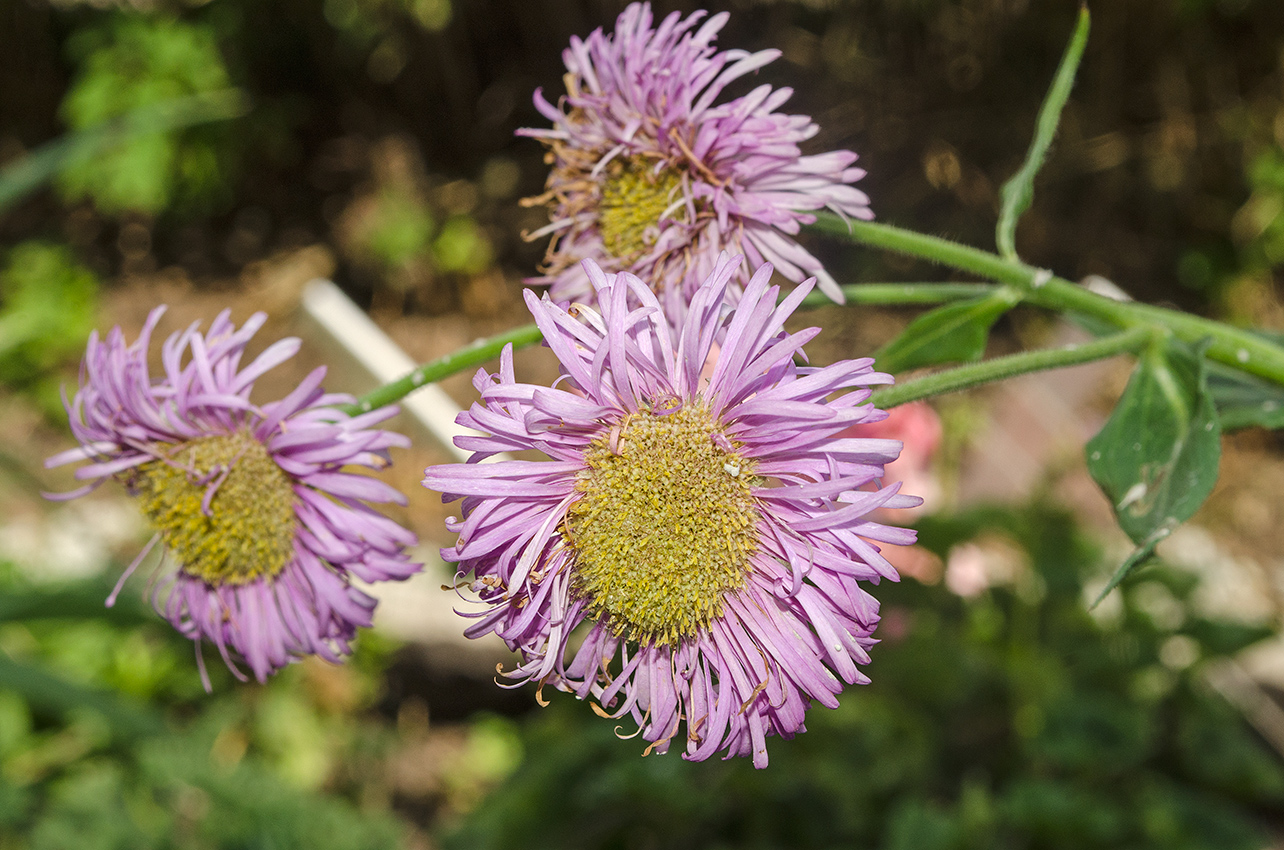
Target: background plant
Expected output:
[998,722]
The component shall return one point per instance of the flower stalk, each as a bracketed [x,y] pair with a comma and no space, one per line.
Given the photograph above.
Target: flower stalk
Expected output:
[1000,368]
[1138,323]
[483,350]
[1234,347]
[473,354]
[901,294]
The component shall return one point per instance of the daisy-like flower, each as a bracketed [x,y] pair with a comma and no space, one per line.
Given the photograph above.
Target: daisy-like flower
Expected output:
[263,529]
[653,177]
[709,534]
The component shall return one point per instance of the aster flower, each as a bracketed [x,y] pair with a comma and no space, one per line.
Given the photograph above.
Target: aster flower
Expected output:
[653,177]
[263,528]
[691,553]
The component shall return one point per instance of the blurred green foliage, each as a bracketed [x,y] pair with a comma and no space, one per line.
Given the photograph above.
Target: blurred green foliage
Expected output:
[48,302]
[1262,216]
[1015,720]
[1012,720]
[401,228]
[369,21]
[132,61]
[109,742]
[461,246]
[409,236]
[401,231]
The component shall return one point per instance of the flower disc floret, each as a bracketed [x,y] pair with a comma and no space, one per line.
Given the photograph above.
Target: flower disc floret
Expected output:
[263,521]
[635,200]
[693,552]
[222,507]
[665,524]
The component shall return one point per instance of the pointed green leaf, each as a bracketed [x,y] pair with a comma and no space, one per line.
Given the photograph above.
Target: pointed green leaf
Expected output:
[1145,549]
[1157,456]
[1018,192]
[950,334]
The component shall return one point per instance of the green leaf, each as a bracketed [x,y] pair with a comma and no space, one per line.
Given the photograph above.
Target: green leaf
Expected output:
[1145,549]
[1225,638]
[1243,400]
[1156,458]
[1018,192]
[950,334]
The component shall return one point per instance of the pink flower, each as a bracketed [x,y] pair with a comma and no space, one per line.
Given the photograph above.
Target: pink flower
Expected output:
[692,552]
[918,426]
[263,528]
[651,175]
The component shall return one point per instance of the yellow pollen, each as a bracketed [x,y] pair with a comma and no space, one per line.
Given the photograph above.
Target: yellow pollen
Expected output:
[223,507]
[665,526]
[634,197]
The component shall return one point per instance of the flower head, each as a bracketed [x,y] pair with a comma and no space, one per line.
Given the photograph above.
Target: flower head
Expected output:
[710,534]
[653,177]
[263,527]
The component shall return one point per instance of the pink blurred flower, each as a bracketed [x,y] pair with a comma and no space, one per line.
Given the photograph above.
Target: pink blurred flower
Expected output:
[918,426]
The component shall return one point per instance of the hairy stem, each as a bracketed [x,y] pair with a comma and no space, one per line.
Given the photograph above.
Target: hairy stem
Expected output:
[483,350]
[474,354]
[1000,368]
[1234,347]
[892,294]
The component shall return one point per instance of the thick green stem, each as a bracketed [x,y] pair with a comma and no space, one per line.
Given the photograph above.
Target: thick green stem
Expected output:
[891,294]
[1235,347]
[1000,368]
[474,354]
[931,248]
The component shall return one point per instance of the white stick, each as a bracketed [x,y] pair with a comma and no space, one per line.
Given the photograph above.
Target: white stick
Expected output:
[372,350]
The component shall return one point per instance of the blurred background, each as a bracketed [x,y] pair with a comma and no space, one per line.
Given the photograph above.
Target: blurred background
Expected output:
[223,153]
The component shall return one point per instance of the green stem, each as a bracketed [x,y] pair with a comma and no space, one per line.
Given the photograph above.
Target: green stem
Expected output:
[488,349]
[1001,368]
[1235,347]
[932,248]
[1018,193]
[901,293]
[474,354]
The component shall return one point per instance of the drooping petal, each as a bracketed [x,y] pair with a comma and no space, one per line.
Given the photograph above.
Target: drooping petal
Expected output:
[262,616]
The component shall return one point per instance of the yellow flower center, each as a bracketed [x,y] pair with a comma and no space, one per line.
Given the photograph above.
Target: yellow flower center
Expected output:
[665,526]
[634,199]
[223,508]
